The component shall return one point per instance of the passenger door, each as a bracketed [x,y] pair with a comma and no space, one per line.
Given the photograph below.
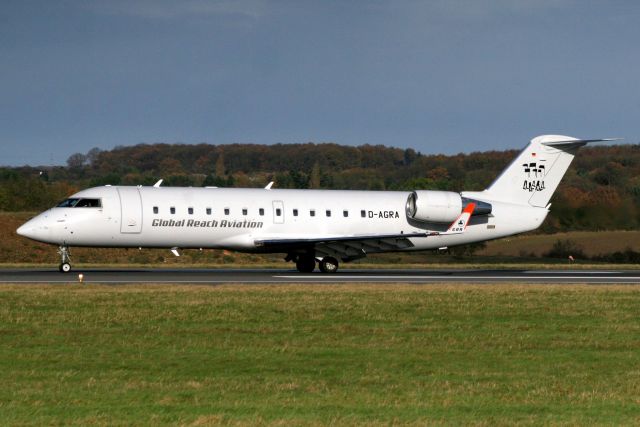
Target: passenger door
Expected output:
[130,210]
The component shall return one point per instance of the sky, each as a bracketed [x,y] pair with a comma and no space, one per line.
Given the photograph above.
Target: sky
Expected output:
[437,76]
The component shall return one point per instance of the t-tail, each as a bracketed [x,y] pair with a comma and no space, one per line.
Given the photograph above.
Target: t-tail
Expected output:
[533,177]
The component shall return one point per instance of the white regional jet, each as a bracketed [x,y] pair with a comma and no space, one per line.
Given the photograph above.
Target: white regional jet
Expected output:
[310,226]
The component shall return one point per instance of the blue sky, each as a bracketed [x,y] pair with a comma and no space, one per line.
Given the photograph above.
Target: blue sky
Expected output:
[438,76]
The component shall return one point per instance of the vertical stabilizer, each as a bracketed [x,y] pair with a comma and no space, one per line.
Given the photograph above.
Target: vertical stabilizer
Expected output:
[534,175]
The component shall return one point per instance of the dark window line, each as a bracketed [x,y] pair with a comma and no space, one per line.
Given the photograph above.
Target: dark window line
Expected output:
[245,211]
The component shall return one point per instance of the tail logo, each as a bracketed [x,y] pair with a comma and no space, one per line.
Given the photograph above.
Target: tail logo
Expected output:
[534,173]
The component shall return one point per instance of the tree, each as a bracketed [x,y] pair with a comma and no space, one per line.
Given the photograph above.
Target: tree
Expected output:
[76,161]
[314,178]
[92,155]
[210,181]
[409,156]
[220,169]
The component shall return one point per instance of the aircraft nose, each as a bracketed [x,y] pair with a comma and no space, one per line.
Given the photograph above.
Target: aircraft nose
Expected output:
[22,230]
[32,229]
[26,230]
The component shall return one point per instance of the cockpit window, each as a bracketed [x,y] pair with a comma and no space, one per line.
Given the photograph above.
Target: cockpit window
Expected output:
[80,203]
[69,203]
[89,203]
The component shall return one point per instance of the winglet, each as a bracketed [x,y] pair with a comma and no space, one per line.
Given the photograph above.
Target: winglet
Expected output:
[460,224]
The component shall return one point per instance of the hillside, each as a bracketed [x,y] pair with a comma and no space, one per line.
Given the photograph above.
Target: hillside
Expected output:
[600,192]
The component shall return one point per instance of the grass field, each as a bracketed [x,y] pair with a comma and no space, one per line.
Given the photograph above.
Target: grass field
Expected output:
[300,355]
[592,242]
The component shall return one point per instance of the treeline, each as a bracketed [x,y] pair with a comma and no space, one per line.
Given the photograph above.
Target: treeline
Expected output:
[601,189]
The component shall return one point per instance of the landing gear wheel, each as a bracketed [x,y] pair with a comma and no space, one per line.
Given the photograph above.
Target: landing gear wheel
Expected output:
[65,259]
[306,264]
[329,265]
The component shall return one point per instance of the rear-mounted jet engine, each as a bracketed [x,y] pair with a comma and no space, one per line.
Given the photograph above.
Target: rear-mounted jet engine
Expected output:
[441,206]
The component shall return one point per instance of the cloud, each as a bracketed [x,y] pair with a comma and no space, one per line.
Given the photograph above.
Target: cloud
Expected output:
[171,9]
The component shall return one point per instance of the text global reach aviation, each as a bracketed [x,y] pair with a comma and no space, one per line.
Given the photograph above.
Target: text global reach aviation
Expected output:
[310,226]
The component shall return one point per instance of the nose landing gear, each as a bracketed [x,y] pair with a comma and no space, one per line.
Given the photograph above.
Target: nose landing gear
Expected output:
[65,261]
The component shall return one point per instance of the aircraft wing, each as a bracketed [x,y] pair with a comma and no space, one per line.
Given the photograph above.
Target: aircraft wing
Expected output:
[359,245]
[349,247]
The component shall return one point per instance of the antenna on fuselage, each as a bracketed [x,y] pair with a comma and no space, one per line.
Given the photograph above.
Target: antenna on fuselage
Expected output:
[269,185]
[157,184]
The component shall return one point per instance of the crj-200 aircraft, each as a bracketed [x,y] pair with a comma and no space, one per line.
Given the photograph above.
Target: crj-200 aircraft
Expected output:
[310,226]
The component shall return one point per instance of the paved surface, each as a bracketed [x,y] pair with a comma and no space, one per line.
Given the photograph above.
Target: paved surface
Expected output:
[243,276]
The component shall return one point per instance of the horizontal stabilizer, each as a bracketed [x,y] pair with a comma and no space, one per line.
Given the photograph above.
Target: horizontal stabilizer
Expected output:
[578,141]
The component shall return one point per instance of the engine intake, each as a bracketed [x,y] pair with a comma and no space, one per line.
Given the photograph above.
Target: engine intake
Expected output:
[441,206]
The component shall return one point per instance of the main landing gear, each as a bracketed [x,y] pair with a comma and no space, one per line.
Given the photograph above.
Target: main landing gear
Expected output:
[328,264]
[306,263]
[65,261]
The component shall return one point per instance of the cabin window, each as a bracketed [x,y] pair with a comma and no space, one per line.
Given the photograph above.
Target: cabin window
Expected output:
[190,210]
[155,209]
[328,212]
[345,213]
[226,211]
[261,211]
[363,213]
[244,211]
[278,212]
[208,211]
[312,212]
[295,212]
[172,210]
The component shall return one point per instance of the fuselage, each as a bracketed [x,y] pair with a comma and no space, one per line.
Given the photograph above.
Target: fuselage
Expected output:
[230,218]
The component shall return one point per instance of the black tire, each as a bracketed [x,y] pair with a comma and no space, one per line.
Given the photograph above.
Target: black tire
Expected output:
[65,267]
[306,264]
[329,265]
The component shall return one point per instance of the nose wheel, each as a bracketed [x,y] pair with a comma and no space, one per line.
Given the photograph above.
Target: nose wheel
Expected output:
[65,259]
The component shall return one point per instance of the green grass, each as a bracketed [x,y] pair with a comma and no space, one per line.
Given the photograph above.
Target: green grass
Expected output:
[293,354]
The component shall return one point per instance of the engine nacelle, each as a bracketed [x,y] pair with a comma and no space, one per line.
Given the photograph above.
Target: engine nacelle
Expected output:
[434,206]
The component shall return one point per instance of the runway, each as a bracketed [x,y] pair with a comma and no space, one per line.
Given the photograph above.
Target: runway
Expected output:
[248,276]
